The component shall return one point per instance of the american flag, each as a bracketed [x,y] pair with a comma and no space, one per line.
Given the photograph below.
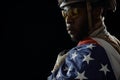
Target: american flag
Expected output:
[85,62]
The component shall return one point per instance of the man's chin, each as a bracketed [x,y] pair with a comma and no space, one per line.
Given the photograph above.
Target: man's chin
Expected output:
[73,38]
[76,38]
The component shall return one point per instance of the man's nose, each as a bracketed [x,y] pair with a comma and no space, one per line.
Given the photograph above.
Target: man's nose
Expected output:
[68,19]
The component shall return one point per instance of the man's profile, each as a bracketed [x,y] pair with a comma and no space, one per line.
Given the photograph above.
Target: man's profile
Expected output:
[97,53]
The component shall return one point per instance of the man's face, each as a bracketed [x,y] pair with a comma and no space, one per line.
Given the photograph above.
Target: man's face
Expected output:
[76,21]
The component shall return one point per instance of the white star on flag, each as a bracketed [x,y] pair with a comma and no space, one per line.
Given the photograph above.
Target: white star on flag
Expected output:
[81,76]
[65,69]
[79,49]
[74,55]
[104,69]
[90,46]
[87,58]
[69,69]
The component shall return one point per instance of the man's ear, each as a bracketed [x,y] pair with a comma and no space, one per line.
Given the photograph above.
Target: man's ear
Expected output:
[98,11]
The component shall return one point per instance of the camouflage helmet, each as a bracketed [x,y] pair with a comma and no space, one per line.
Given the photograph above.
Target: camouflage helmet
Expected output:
[107,4]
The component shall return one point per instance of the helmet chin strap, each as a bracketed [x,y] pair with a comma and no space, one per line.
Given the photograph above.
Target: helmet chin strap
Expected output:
[89,12]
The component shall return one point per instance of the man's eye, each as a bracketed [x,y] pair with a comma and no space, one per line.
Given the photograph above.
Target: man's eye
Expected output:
[70,13]
[75,11]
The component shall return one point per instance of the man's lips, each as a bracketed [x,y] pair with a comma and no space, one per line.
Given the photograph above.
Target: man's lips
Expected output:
[70,30]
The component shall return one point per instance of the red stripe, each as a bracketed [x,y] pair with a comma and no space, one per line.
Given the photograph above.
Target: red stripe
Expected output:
[87,40]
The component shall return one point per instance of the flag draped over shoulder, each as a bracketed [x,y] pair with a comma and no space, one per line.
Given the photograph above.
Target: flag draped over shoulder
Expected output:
[85,62]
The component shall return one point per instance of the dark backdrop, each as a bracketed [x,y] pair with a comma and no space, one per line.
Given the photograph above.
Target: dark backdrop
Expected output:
[38,27]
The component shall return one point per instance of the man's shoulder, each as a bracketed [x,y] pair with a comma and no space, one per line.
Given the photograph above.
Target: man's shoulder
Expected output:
[88,46]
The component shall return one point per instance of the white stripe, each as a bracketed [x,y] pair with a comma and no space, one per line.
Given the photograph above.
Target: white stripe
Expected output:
[113,56]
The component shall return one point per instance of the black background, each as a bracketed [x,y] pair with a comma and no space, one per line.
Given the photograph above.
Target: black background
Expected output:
[36,31]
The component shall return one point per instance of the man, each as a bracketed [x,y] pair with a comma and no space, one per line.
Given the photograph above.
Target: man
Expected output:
[97,54]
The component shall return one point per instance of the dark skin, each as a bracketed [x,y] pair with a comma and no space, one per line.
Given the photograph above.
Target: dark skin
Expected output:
[77,24]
